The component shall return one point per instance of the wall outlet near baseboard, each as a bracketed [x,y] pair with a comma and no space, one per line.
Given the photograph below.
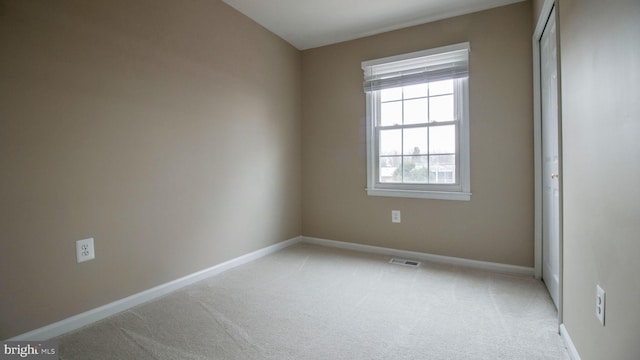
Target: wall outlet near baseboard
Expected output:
[85,250]
[600,304]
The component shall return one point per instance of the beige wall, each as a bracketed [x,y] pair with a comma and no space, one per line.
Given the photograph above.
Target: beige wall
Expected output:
[497,224]
[167,130]
[600,57]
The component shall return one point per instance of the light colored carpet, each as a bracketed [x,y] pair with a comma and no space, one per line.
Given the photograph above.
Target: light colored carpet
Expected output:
[312,302]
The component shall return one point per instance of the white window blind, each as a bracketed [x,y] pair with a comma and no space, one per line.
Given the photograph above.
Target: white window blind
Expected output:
[448,62]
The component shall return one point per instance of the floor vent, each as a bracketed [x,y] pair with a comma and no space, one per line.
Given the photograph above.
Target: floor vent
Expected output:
[405,262]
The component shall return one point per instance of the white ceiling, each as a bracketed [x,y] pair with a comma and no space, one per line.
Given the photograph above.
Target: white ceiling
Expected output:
[311,23]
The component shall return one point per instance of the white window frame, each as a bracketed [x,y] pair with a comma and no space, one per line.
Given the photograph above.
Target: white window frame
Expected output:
[461,190]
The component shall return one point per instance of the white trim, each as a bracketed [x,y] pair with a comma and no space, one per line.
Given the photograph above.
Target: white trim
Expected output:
[99,313]
[475,264]
[421,194]
[465,144]
[537,159]
[543,17]
[537,136]
[573,352]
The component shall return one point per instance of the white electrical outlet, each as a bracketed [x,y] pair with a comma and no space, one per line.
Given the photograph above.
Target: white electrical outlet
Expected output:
[395,216]
[85,250]
[600,304]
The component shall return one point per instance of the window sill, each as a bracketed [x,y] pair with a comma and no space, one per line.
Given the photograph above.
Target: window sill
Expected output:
[416,194]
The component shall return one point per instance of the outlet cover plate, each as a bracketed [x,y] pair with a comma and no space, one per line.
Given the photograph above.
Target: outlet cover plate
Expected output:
[395,216]
[600,304]
[85,250]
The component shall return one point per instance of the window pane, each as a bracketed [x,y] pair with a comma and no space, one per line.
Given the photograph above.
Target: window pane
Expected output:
[391,94]
[391,113]
[415,141]
[441,87]
[442,169]
[442,139]
[391,142]
[441,108]
[415,169]
[415,91]
[390,169]
[415,111]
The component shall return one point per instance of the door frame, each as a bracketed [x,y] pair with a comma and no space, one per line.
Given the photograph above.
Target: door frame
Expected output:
[545,12]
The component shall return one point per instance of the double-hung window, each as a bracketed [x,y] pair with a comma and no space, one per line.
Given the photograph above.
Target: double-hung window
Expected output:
[418,124]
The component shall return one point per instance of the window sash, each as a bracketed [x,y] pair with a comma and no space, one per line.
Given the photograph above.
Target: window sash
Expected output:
[376,113]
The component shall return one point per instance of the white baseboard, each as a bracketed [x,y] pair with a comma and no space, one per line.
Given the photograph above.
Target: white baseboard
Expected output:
[414,255]
[99,313]
[573,352]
